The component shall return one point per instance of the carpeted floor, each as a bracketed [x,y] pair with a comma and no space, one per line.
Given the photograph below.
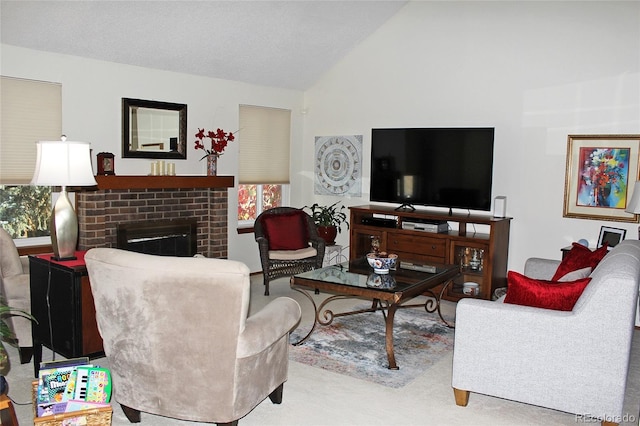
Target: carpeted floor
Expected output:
[355,345]
[318,397]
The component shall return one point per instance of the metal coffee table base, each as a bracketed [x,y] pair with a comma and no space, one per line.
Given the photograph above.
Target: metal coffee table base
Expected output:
[326,317]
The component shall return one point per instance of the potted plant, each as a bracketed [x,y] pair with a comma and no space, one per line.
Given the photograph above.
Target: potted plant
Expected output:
[6,335]
[328,220]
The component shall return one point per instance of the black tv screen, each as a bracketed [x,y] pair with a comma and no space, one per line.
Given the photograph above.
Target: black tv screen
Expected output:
[440,167]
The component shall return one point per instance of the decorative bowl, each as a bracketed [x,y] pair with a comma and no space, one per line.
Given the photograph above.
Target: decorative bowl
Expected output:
[381,263]
[383,281]
[470,288]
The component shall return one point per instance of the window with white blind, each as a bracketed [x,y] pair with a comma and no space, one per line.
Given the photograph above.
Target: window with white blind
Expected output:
[264,139]
[31,111]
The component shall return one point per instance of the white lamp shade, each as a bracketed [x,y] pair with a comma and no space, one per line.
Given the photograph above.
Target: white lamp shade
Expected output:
[63,163]
[634,205]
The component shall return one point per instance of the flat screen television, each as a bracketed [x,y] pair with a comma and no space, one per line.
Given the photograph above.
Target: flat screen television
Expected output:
[439,167]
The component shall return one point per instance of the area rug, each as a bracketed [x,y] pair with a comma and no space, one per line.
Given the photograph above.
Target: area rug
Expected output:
[355,346]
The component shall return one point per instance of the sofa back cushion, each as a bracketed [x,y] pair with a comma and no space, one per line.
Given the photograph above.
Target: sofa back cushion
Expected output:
[614,284]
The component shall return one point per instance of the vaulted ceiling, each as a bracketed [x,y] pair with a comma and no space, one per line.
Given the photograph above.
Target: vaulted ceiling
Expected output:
[287,44]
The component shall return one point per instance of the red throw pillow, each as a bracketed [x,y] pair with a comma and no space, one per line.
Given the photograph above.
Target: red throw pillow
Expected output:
[286,231]
[560,296]
[580,257]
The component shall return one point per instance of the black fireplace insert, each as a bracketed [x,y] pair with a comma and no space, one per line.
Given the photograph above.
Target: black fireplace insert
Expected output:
[160,237]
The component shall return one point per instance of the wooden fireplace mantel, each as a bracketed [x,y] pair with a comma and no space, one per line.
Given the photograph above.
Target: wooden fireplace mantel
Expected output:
[163,182]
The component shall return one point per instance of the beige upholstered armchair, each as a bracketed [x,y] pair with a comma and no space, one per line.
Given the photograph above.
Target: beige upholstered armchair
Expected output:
[178,340]
[15,289]
[288,242]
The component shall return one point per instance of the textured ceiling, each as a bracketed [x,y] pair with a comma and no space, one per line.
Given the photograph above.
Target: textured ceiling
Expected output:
[287,44]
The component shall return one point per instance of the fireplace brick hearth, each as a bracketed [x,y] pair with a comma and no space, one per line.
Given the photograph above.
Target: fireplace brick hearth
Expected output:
[99,213]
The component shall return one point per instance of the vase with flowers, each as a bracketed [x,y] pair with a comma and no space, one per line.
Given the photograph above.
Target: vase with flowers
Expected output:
[219,140]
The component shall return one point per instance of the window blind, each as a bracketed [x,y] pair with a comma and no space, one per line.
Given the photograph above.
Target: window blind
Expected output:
[264,138]
[30,111]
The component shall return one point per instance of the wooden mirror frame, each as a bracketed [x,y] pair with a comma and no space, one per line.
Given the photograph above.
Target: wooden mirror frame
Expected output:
[180,151]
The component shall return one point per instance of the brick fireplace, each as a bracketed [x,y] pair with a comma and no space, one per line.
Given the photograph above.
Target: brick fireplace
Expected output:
[128,199]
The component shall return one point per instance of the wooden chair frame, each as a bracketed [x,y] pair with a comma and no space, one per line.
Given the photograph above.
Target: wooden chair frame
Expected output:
[276,268]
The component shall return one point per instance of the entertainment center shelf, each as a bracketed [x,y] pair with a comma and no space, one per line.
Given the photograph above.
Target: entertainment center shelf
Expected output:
[482,256]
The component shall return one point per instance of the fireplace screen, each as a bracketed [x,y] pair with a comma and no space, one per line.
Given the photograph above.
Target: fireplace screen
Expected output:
[164,238]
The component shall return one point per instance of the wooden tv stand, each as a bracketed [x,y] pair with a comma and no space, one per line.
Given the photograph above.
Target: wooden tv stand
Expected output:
[484,236]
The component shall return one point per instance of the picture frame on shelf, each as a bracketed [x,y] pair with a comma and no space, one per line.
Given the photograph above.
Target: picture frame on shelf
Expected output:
[601,171]
[612,236]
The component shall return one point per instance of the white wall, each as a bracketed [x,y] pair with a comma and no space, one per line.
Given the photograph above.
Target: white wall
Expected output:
[91,111]
[536,71]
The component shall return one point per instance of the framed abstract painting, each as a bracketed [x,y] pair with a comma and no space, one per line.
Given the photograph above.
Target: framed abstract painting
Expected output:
[600,176]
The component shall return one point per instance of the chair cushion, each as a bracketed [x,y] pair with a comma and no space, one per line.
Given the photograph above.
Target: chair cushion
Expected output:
[557,295]
[300,254]
[579,257]
[286,231]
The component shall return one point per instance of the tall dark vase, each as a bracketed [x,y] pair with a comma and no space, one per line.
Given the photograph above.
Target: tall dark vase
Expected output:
[603,194]
[328,233]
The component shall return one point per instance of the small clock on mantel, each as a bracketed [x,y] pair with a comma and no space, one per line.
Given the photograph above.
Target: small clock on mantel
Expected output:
[106,163]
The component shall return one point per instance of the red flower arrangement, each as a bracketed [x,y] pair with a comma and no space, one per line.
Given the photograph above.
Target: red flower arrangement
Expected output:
[219,140]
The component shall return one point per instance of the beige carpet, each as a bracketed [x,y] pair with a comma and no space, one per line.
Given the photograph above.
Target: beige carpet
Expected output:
[313,396]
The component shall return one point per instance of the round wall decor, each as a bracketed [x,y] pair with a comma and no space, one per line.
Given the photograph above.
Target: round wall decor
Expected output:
[338,169]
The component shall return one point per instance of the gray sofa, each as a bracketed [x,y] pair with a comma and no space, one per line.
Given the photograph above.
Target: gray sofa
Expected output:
[573,361]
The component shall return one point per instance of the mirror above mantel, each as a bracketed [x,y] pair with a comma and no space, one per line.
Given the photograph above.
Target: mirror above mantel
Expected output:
[152,129]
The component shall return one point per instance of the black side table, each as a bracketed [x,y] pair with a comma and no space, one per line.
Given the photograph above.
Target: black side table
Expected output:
[62,303]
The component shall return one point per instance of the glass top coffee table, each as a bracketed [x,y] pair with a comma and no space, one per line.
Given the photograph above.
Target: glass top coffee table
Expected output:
[388,292]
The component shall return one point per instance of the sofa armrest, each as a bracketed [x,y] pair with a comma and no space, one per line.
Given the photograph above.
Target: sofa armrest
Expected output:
[516,344]
[517,324]
[24,260]
[541,269]
[17,291]
[526,339]
[266,327]
[530,350]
